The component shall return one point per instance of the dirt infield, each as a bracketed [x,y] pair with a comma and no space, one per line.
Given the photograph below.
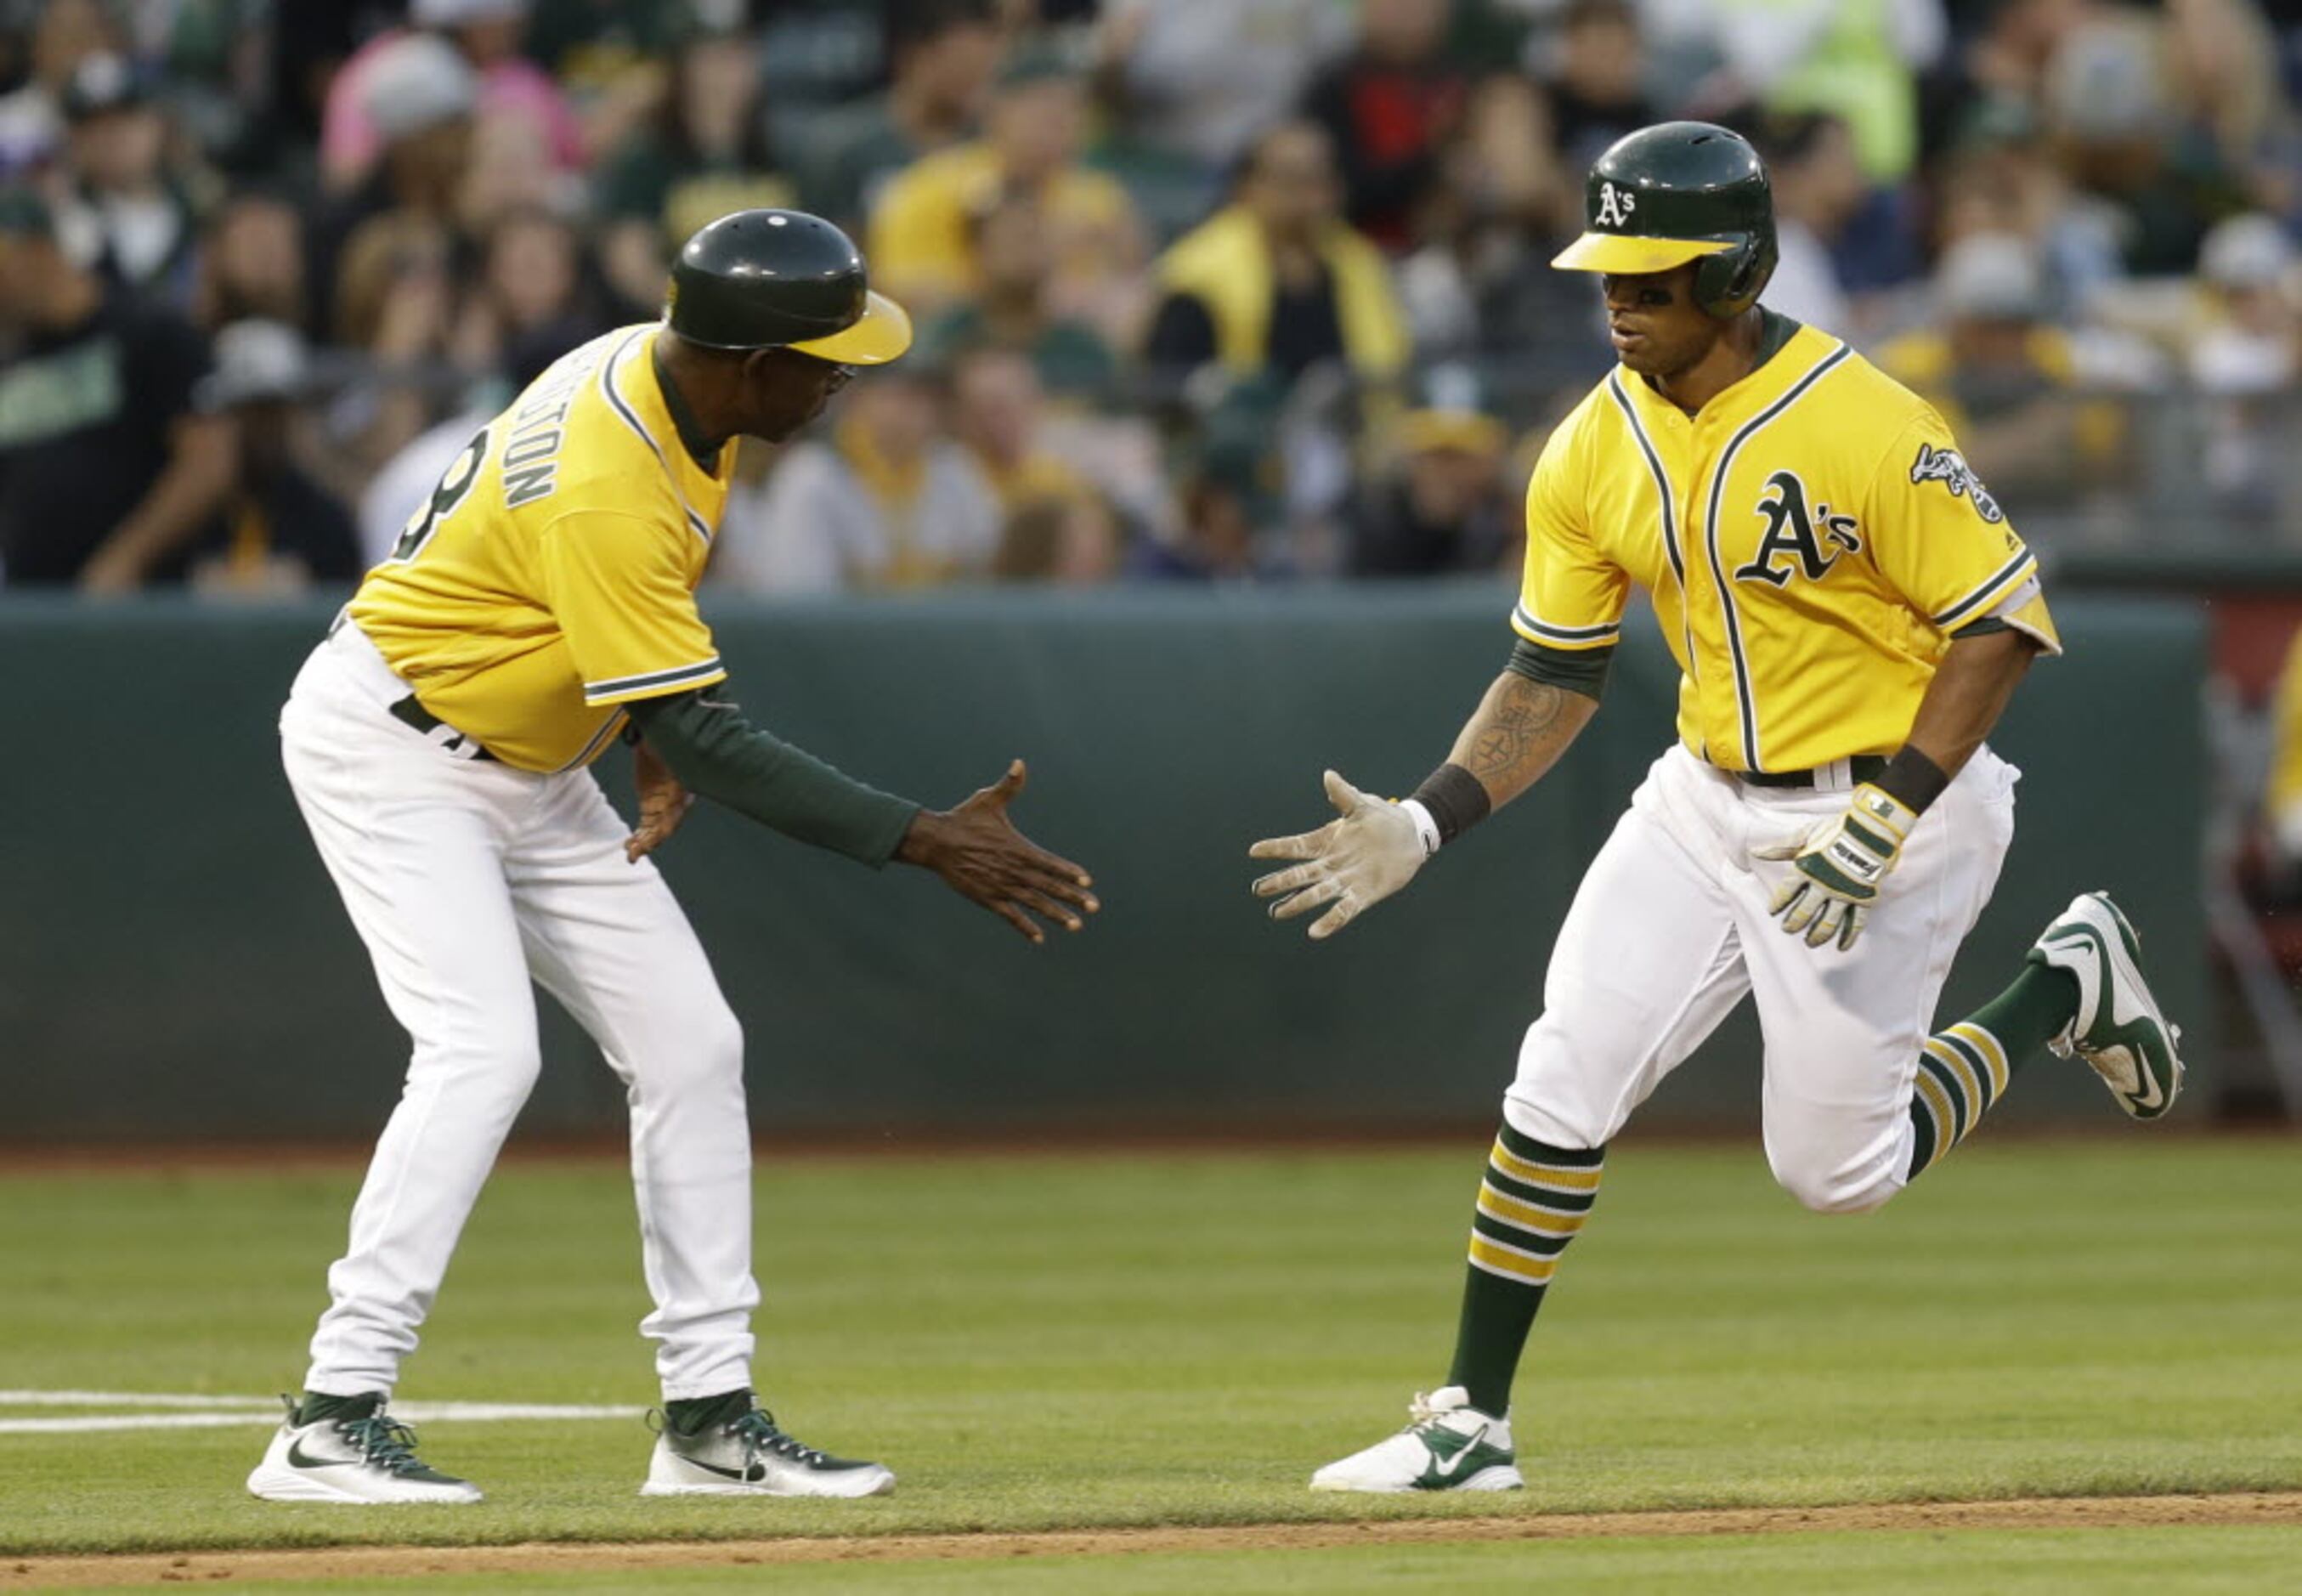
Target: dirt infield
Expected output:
[373,1562]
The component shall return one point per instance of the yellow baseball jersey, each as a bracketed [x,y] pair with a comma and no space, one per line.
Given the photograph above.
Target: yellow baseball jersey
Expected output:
[1810,540]
[550,577]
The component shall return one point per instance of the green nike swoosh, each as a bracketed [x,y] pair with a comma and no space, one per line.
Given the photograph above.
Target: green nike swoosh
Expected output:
[298,1458]
[1446,1469]
[751,1473]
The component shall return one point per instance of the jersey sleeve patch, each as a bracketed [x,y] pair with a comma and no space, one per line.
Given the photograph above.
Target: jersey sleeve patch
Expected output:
[653,684]
[1949,467]
[1935,535]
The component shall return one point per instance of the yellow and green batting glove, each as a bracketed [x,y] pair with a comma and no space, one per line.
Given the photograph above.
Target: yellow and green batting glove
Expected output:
[1836,866]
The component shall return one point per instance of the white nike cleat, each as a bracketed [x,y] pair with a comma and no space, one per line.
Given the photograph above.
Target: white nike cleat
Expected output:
[1450,1445]
[356,1456]
[749,1455]
[2118,1029]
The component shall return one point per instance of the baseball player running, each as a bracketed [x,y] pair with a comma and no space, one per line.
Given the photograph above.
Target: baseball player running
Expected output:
[1849,612]
[540,604]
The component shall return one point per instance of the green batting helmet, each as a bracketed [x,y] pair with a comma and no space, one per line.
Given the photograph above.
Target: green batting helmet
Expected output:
[1681,191]
[782,280]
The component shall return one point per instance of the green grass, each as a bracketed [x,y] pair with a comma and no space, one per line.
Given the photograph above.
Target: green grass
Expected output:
[1127,1339]
[2142,1562]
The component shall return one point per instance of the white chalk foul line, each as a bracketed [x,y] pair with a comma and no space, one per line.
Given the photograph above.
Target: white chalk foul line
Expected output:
[122,1399]
[135,1421]
[222,1411]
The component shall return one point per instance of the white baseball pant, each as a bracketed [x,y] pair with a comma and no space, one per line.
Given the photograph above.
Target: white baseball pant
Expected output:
[466,878]
[1672,925]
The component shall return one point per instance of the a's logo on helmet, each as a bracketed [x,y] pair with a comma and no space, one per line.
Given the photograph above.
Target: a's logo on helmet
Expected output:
[1615,205]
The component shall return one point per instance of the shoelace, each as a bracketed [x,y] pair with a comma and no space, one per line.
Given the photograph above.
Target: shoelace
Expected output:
[758,1431]
[383,1442]
[1420,1413]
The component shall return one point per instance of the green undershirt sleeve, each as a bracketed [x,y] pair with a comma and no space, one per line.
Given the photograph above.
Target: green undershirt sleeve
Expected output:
[1577,670]
[718,755]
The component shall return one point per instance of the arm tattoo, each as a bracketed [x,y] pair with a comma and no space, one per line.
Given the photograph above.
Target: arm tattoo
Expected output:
[1518,725]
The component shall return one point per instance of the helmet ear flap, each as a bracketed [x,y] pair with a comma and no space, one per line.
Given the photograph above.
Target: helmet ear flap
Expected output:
[1728,283]
[1717,278]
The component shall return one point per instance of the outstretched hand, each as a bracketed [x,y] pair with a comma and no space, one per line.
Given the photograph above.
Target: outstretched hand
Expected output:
[1353,862]
[980,855]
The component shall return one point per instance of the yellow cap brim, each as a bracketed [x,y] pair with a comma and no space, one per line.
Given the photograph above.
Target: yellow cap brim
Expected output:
[883,333]
[1619,254]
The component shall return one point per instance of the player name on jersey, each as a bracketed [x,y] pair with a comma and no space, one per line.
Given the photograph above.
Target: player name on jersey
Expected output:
[531,458]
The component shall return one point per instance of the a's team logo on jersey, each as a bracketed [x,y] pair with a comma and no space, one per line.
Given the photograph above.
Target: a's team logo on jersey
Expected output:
[1615,205]
[1948,467]
[1799,542]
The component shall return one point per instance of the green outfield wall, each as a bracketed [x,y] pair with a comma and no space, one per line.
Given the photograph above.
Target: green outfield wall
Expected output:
[173,962]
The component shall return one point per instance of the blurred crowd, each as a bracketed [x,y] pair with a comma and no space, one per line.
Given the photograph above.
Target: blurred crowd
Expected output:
[1207,290]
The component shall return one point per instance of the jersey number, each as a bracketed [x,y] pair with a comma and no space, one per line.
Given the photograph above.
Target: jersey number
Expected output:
[454,487]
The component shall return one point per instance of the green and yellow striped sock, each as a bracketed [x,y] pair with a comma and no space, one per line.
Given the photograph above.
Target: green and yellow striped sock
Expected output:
[1964,1070]
[1532,1203]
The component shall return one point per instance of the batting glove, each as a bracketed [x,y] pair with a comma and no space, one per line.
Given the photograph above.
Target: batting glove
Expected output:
[1837,866]
[1352,863]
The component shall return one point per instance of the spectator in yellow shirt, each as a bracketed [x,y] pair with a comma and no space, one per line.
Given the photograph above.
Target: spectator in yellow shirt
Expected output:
[1012,312]
[942,56]
[1276,280]
[922,242]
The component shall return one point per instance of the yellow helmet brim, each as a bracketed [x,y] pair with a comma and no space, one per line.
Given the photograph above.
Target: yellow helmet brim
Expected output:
[883,333]
[1622,255]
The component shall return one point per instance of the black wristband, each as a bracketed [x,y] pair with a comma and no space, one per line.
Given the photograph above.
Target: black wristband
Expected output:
[1456,800]
[1912,778]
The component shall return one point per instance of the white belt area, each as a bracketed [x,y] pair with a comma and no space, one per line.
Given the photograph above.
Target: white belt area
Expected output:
[376,680]
[364,663]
